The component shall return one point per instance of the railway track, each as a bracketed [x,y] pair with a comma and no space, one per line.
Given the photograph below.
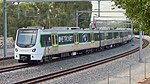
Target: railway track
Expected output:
[79,68]
[6,58]
[15,67]
[11,68]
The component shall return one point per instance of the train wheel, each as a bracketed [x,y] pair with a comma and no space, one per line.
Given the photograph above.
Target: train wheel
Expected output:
[41,61]
[47,58]
[50,58]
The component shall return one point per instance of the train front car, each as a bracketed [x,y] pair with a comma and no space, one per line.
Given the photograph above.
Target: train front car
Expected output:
[27,46]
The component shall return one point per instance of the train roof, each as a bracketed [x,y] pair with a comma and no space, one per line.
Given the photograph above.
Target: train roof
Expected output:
[65,28]
[73,29]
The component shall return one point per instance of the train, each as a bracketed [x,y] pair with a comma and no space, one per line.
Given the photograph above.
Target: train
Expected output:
[36,44]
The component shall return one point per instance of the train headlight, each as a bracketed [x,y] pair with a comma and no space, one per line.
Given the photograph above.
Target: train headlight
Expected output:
[16,49]
[33,50]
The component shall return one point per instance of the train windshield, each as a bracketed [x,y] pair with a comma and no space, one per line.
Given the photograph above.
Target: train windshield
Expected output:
[27,38]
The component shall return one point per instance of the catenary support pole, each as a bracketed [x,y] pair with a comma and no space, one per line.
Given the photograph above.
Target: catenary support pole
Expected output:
[108,76]
[140,52]
[145,68]
[99,8]
[77,16]
[130,74]
[18,9]
[5,29]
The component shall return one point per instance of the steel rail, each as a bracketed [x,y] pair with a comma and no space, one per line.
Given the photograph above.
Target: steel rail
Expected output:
[6,58]
[11,68]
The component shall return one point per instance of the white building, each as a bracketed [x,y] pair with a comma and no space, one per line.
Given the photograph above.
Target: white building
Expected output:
[107,14]
[112,14]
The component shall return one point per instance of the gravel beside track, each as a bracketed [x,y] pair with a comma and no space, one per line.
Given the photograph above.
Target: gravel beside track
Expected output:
[27,73]
[118,72]
[8,62]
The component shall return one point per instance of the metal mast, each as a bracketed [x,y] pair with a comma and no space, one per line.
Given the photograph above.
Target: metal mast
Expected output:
[5,28]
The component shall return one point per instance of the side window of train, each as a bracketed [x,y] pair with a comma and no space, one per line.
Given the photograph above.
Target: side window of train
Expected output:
[121,34]
[84,37]
[116,35]
[129,33]
[102,36]
[54,39]
[109,35]
[65,39]
[126,34]
[97,36]
[76,38]
[106,35]
[45,40]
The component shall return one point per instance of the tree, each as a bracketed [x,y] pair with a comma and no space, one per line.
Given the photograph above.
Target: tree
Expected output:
[1,18]
[47,14]
[137,10]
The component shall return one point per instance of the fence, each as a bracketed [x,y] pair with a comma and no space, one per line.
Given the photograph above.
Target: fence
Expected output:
[10,42]
[128,70]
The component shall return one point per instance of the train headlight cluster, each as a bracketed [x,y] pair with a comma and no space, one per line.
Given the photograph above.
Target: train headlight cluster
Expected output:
[33,50]
[16,49]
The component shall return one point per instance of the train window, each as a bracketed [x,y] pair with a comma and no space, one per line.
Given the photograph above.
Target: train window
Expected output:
[126,34]
[109,35]
[55,40]
[84,37]
[97,36]
[102,36]
[121,34]
[129,33]
[116,35]
[76,38]
[45,40]
[65,39]
[26,38]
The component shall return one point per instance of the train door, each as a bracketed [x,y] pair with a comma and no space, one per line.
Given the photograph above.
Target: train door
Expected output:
[92,37]
[55,43]
[99,39]
[76,38]
[122,36]
[76,41]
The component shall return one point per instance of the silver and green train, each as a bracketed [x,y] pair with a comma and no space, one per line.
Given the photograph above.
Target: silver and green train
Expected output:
[39,44]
